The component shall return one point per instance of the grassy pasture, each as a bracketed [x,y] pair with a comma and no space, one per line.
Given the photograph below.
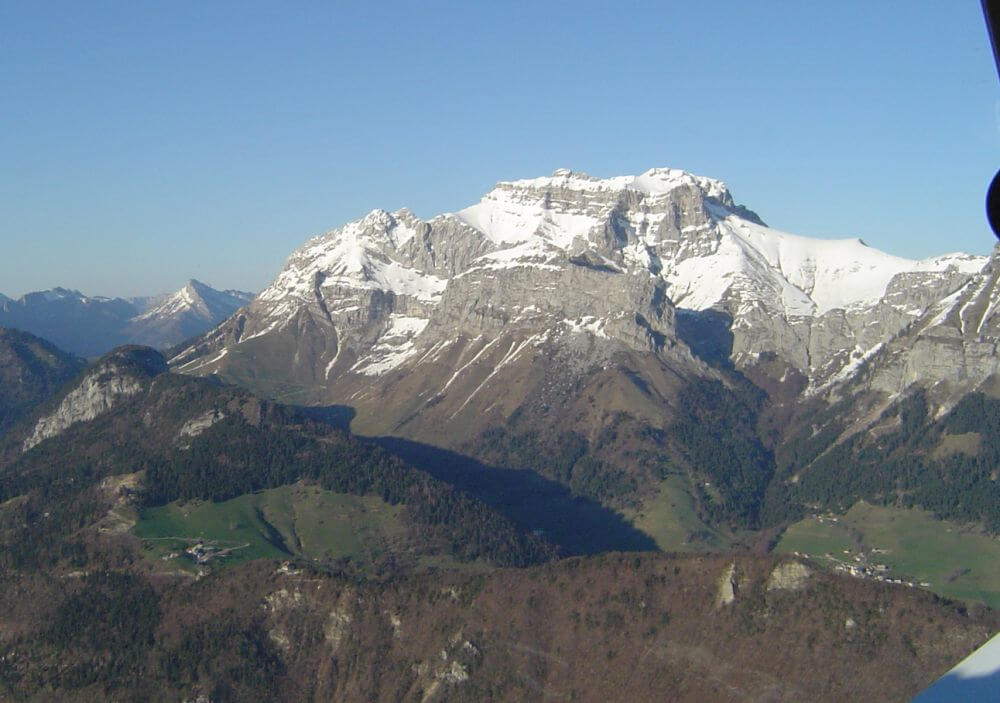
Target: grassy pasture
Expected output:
[671,519]
[296,520]
[958,561]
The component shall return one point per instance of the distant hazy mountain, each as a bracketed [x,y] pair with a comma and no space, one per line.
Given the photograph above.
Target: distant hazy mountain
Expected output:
[90,326]
[192,310]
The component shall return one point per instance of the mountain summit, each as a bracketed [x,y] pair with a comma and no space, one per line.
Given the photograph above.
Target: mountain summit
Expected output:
[623,261]
[181,315]
[611,333]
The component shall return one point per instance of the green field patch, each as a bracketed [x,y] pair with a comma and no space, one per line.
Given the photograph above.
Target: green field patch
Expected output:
[957,561]
[966,443]
[671,519]
[280,523]
[816,537]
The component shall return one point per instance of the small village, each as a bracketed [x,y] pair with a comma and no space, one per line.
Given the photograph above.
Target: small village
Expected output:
[862,564]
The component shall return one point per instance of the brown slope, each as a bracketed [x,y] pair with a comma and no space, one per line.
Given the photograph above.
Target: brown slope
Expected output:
[621,627]
[31,370]
[624,627]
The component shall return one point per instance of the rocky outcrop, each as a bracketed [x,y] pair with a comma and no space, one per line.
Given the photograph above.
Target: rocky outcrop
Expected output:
[91,398]
[118,375]
[788,576]
[727,587]
[514,637]
[954,341]
[948,347]
[196,425]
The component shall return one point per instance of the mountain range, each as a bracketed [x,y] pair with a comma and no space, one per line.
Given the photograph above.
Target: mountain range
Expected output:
[636,261]
[90,326]
[445,429]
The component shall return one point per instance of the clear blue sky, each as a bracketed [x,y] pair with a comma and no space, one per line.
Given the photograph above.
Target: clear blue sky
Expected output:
[145,143]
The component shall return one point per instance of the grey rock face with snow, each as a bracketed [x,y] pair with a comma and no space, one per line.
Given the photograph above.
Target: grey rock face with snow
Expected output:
[950,346]
[580,268]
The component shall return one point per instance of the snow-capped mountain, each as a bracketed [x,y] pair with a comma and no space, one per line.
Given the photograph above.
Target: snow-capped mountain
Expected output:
[610,259]
[602,331]
[190,311]
[92,325]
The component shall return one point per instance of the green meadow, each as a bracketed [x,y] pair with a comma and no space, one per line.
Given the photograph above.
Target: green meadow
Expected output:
[958,561]
[280,523]
[671,519]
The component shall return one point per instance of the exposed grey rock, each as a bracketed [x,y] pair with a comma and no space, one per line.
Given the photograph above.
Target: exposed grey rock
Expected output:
[728,586]
[117,376]
[788,576]
[951,346]
[196,425]
[568,272]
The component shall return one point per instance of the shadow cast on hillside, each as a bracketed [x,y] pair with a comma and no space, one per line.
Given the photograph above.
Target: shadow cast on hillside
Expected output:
[576,525]
[708,334]
[339,416]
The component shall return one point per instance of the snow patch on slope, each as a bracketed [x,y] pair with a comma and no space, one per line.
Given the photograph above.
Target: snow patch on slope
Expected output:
[588,324]
[394,347]
[813,275]
[836,273]
[506,220]
[858,358]
[351,257]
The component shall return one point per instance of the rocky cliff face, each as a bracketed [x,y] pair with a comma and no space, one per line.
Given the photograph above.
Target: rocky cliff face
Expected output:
[573,267]
[946,330]
[953,344]
[582,317]
[540,283]
[118,375]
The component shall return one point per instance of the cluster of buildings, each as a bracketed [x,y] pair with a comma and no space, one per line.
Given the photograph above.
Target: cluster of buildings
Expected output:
[860,565]
[200,552]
